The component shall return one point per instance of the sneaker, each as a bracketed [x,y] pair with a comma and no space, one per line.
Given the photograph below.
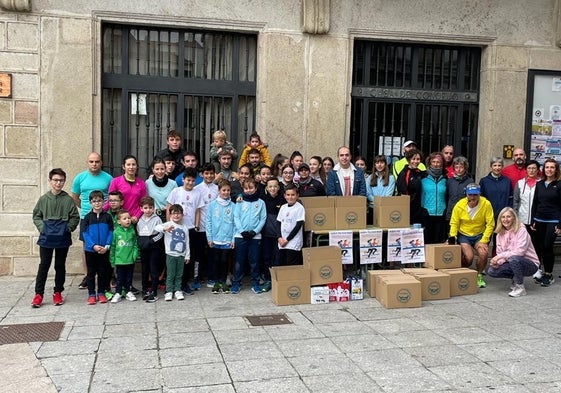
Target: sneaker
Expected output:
[480,282]
[266,286]
[512,285]
[151,298]
[235,289]
[145,295]
[101,298]
[538,276]
[134,291]
[130,296]
[91,300]
[256,289]
[116,298]
[108,295]
[187,290]
[37,301]
[518,291]
[83,284]
[196,284]
[547,280]
[179,295]
[168,296]
[57,299]
[229,280]
[210,283]
[225,288]
[216,288]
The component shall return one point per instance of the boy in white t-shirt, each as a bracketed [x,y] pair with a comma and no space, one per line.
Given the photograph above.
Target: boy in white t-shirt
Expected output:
[291,217]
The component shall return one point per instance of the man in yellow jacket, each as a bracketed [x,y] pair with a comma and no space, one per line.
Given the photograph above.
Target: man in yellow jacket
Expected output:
[472,223]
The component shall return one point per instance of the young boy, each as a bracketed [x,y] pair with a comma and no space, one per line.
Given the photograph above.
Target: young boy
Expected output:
[249,217]
[173,150]
[220,144]
[170,165]
[97,232]
[55,215]
[151,249]
[191,202]
[220,235]
[291,217]
[124,251]
[208,192]
[176,240]
[255,143]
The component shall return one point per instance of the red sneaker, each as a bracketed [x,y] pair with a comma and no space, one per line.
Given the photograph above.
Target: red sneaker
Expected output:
[37,301]
[101,298]
[91,300]
[57,299]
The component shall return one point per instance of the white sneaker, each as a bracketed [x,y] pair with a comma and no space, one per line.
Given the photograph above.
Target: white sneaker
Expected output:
[168,296]
[130,297]
[179,295]
[116,298]
[518,291]
[538,274]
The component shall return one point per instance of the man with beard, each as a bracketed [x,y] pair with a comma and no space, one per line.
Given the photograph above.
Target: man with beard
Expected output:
[516,170]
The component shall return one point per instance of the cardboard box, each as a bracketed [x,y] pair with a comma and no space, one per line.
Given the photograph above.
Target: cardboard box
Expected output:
[350,212]
[324,264]
[391,212]
[435,285]
[443,256]
[399,291]
[371,279]
[463,281]
[319,295]
[320,213]
[417,270]
[290,285]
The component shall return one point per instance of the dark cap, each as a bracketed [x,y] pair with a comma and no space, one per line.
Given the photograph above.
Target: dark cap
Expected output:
[303,166]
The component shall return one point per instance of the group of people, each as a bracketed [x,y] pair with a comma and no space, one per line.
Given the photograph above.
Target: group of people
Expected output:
[210,221]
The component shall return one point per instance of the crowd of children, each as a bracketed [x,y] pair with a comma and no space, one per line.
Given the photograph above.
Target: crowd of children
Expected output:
[212,223]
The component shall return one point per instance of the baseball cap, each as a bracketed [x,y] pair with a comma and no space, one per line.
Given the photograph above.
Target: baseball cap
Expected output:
[409,142]
[473,189]
[303,166]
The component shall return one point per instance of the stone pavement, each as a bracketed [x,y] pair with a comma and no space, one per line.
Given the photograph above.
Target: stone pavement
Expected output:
[474,343]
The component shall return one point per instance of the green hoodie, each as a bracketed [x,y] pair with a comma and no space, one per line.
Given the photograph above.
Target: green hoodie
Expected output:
[124,247]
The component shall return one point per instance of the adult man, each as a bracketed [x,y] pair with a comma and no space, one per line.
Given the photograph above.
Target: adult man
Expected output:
[516,170]
[189,160]
[398,166]
[472,223]
[55,215]
[448,155]
[225,172]
[345,178]
[92,179]
[175,151]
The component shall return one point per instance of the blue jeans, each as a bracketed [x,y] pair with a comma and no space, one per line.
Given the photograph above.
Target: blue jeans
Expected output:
[247,250]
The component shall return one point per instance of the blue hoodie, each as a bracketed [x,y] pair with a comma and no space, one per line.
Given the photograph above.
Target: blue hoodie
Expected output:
[250,215]
[220,221]
[97,229]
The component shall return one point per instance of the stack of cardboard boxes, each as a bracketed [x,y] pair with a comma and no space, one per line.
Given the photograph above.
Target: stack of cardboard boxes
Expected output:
[334,213]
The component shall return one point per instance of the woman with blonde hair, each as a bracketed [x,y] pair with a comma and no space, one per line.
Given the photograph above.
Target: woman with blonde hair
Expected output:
[516,256]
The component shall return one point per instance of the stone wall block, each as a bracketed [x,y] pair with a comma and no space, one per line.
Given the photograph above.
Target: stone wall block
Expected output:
[6,266]
[26,112]
[25,86]
[6,111]
[19,199]
[19,62]
[27,266]
[14,245]
[2,34]
[19,171]
[545,59]
[513,58]
[22,142]
[23,36]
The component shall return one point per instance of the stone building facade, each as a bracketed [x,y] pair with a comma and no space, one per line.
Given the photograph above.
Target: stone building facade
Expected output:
[303,81]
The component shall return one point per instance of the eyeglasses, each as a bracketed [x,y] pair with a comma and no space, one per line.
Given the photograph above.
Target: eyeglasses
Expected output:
[288,173]
[58,180]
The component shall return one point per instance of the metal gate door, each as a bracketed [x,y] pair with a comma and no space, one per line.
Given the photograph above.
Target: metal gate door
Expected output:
[428,94]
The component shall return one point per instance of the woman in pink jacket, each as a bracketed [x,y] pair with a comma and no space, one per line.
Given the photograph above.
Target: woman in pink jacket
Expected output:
[132,187]
[516,256]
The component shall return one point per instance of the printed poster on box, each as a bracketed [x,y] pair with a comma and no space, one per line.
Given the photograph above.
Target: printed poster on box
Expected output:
[394,245]
[412,246]
[343,240]
[370,246]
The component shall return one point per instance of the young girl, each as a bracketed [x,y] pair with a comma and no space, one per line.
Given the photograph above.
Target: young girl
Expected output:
[220,235]
[360,162]
[328,164]
[296,160]
[255,143]
[269,241]
[159,187]
[287,177]
[316,169]
[291,217]
[380,183]
[278,162]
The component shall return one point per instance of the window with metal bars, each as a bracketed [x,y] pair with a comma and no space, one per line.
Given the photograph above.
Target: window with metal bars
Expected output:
[426,93]
[158,79]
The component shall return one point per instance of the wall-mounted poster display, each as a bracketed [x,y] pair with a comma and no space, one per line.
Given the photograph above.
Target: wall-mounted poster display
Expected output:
[543,114]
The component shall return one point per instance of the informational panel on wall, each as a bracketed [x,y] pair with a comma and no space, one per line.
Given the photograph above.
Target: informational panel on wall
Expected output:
[545,139]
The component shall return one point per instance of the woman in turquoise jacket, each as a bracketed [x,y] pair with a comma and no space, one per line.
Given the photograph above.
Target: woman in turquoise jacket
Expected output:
[433,199]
